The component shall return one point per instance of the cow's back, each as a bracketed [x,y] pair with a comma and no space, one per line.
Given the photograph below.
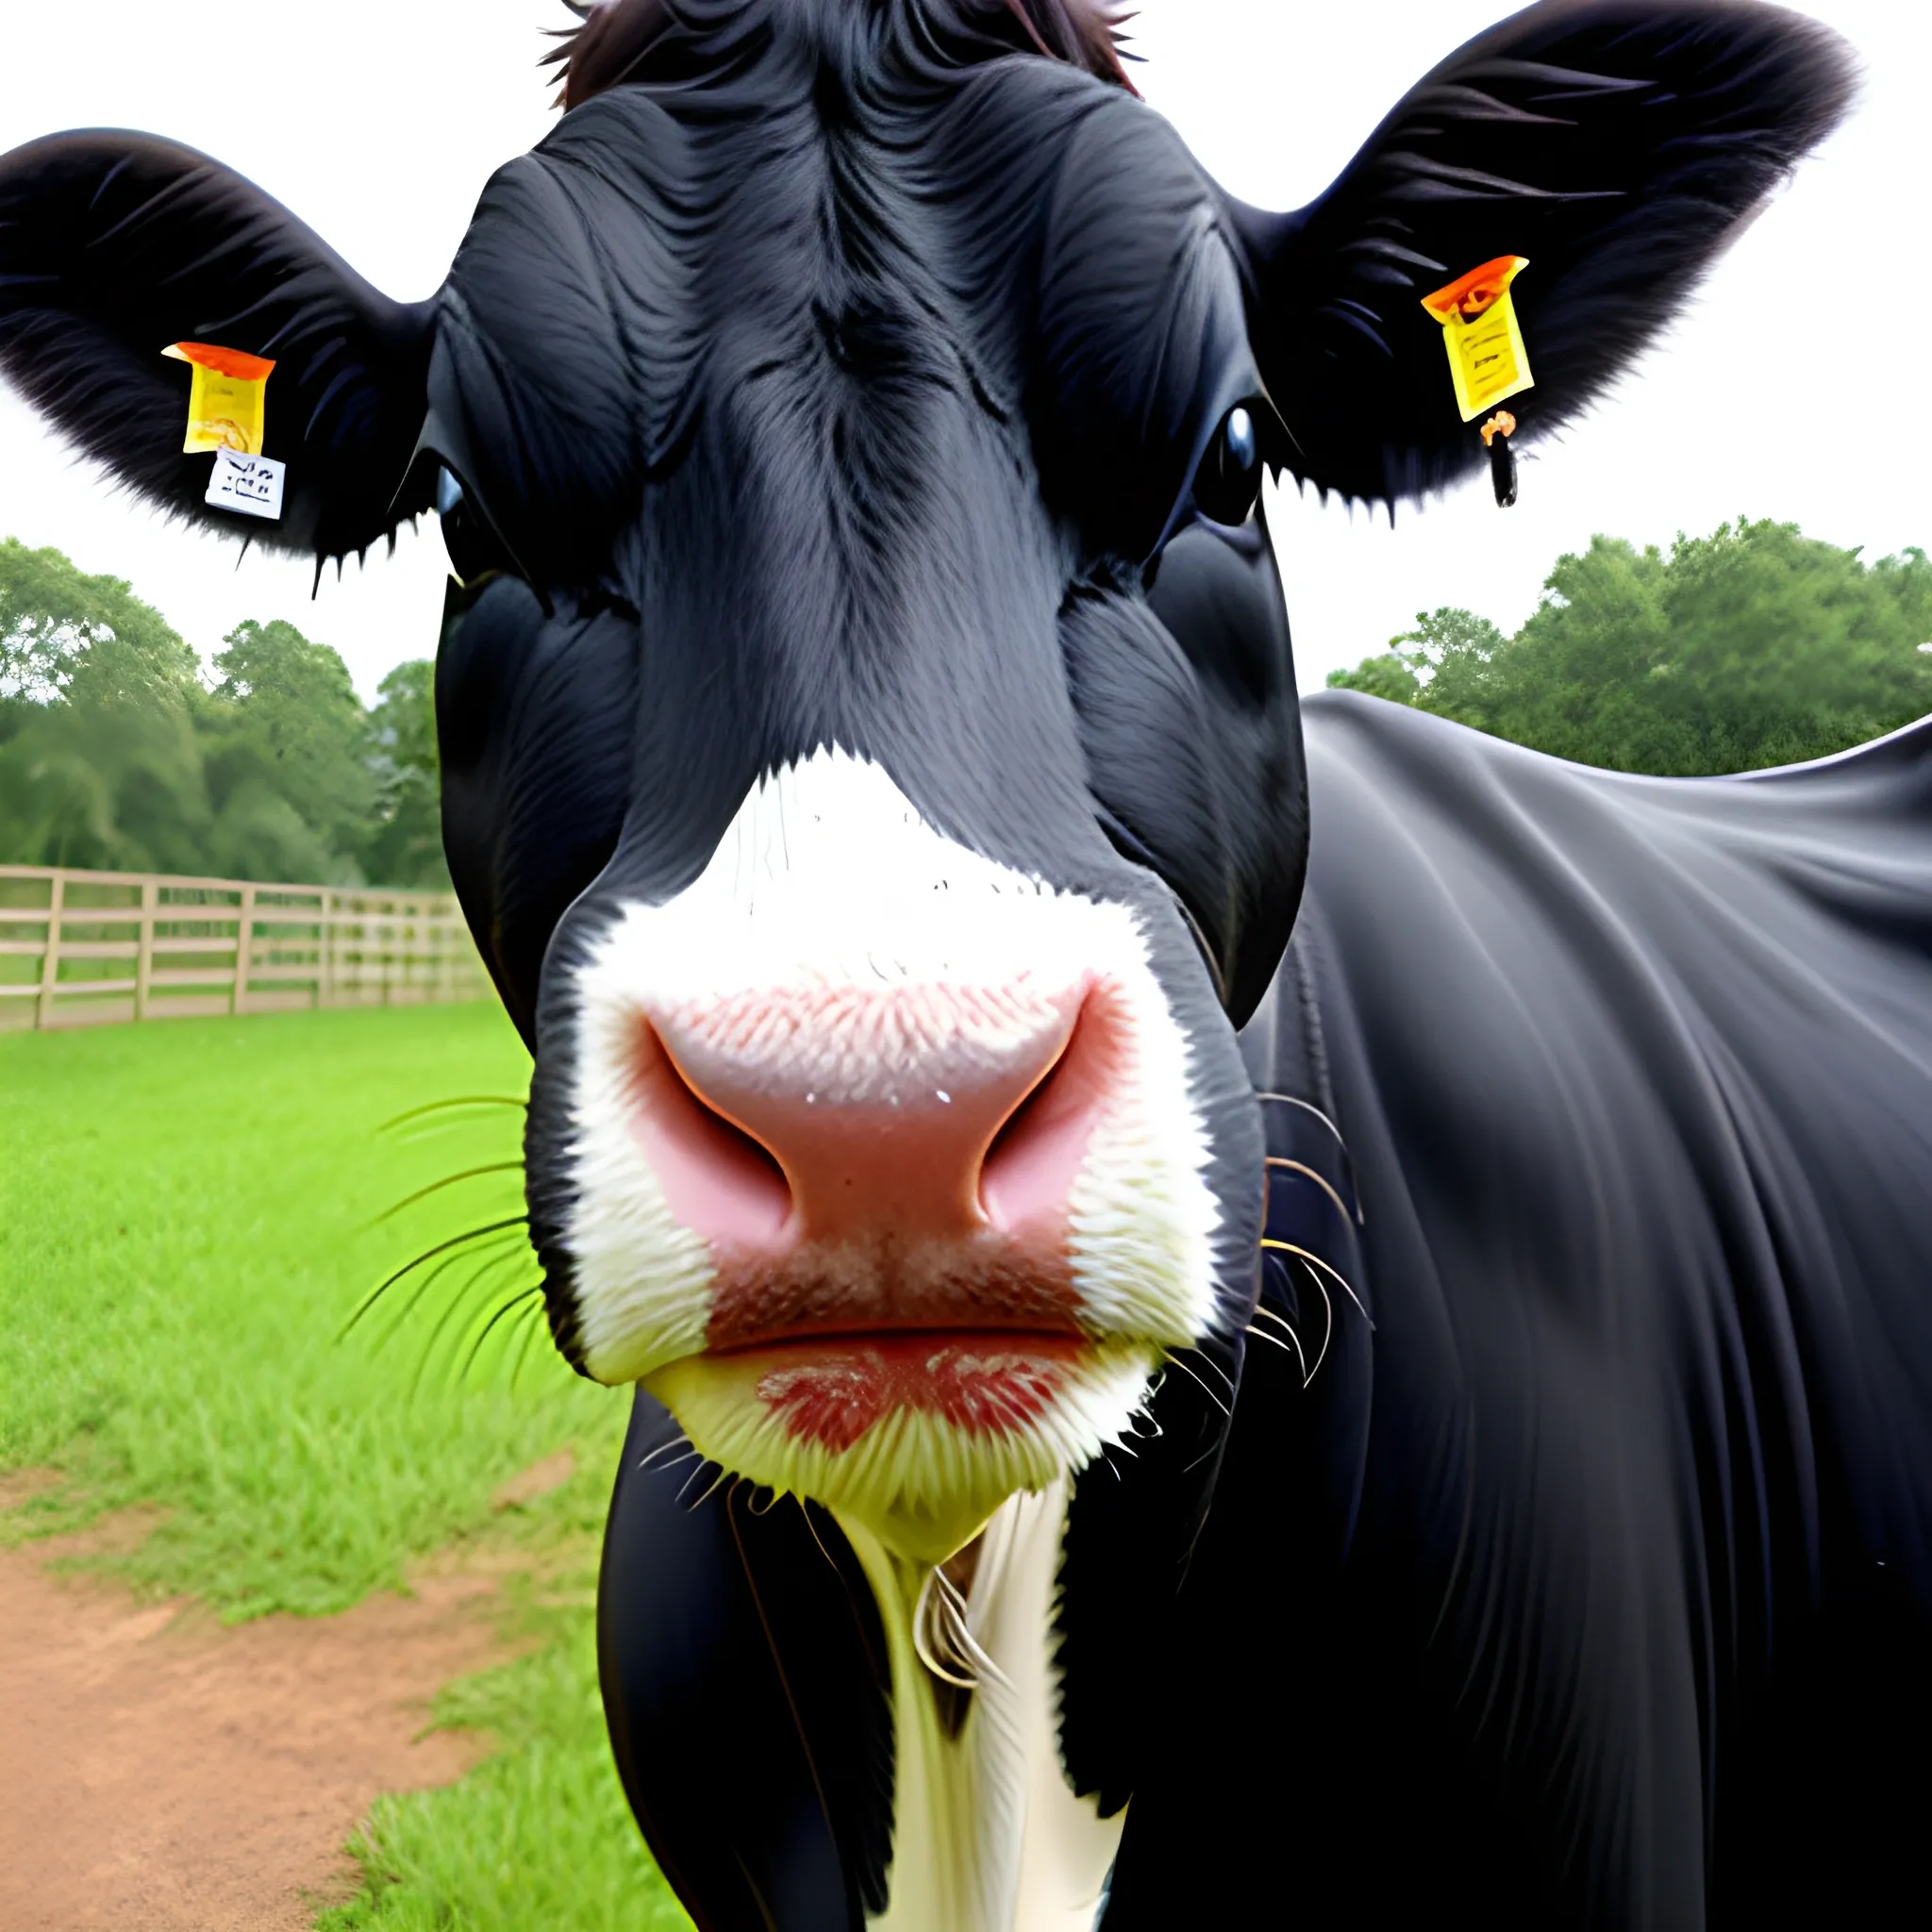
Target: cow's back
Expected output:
[1626,1497]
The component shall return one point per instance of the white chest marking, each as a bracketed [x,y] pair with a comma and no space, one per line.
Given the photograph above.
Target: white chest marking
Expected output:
[988,1837]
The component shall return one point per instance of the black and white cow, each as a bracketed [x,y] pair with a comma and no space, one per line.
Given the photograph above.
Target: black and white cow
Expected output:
[873,775]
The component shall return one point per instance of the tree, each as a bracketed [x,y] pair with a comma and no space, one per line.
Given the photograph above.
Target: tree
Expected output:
[100,764]
[57,624]
[1750,647]
[287,758]
[404,844]
[114,752]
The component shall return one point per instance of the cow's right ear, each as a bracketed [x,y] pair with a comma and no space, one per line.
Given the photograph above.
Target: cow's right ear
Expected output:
[115,245]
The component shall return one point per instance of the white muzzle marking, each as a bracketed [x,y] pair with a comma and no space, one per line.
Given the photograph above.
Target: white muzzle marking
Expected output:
[839,953]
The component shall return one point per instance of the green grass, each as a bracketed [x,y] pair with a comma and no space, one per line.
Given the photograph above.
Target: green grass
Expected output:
[185,1215]
[536,1836]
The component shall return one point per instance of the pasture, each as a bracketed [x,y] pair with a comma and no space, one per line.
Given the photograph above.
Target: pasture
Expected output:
[188,1215]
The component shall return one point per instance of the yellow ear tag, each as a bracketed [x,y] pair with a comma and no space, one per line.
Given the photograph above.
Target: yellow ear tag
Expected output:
[224,400]
[1486,359]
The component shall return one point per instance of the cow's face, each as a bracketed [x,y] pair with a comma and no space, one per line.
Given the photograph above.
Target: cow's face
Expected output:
[871,764]
[888,1119]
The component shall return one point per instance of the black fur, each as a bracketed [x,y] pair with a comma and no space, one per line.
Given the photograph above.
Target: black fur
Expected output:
[1591,1587]
[745,1675]
[113,245]
[838,372]
[1616,145]
[534,719]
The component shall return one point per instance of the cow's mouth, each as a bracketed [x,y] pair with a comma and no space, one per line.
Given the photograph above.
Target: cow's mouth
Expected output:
[831,1389]
[919,1434]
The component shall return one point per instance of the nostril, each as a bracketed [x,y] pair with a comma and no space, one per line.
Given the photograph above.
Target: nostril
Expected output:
[1035,1158]
[718,1180]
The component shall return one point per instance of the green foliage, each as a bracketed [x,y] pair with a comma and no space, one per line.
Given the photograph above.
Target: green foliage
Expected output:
[115,753]
[58,625]
[1384,676]
[99,760]
[1751,647]
[284,723]
[407,841]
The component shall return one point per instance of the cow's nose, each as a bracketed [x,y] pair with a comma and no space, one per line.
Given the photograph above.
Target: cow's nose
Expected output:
[913,1113]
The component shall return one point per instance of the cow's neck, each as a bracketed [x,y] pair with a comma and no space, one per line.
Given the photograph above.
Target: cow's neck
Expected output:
[987,1835]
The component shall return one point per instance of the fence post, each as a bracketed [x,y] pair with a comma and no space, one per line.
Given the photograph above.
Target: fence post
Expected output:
[324,956]
[50,960]
[244,941]
[144,955]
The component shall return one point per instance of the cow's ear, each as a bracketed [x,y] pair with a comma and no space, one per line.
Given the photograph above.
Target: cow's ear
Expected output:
[115,245]
[1617,146]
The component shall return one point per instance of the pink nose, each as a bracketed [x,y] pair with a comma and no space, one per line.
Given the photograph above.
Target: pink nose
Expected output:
[779,1121]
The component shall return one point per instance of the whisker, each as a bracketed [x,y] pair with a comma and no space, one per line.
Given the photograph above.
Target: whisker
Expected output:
[1327,1325]
[1291,1346]
[724,1477]
[469,1174]
[1306,1106]
[503,1244]
[812,1528]
[516,1301]
[532,1328]
[456,1304]
[1275,1161]
[1208,1360]
[1216,1400]
[455,1240]
[689,1455]
[417,1113]
[1315,1260]
[1348,1159]
[664,1448]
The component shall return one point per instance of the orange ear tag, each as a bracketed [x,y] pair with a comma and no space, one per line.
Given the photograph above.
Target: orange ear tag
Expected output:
[224,399]
[1486,359]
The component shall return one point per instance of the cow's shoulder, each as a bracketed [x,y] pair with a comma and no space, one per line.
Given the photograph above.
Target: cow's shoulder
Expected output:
[1633,1079]
[1641,1064]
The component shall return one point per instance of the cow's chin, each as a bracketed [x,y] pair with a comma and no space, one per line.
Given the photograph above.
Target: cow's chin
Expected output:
[918,1437]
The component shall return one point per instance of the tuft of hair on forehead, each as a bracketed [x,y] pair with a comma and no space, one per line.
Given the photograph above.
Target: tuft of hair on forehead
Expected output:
[617,37]
[607,49]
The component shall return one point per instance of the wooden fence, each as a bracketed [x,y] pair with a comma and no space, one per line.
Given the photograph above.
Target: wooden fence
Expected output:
[87,948]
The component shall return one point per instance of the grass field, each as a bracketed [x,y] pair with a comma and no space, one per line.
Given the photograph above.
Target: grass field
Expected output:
[187,1217]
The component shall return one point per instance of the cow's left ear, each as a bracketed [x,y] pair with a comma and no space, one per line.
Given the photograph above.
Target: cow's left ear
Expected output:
[115,245]
[1615,146]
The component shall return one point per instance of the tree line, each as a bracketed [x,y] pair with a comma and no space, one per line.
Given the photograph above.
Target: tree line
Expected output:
[1754,646]
[118,753]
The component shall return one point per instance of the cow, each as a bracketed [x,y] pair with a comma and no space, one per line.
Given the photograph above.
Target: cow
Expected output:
[1285,1314]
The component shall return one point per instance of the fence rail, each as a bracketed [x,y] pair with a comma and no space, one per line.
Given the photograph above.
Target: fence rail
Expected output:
[90,948]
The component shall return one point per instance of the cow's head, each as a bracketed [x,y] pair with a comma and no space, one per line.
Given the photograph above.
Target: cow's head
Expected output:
[871,760]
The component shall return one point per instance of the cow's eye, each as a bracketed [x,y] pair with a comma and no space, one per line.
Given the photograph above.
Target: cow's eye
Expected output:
[1229,478]
[474,550]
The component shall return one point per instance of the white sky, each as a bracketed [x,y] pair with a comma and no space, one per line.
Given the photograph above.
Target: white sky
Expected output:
[379,121]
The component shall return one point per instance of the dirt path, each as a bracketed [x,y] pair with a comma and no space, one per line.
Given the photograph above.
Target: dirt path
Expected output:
[160,1774]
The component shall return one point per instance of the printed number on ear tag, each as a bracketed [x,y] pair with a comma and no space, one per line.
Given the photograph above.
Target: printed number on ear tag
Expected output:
[252,485]
[1486,358]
